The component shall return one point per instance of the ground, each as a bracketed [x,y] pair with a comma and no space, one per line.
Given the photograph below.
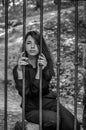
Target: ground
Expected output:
[50,33]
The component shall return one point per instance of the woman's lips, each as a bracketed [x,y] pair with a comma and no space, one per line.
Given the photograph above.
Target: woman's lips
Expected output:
[32,51]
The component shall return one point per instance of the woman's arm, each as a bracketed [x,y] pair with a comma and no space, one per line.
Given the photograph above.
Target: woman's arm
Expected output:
[35,84]
[46,77]
[19,81]
[45,68]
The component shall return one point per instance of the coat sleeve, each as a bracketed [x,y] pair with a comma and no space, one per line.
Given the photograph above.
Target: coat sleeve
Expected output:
[19,83]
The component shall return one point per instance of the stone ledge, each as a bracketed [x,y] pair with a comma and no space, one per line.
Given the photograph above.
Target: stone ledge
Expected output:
[32,126]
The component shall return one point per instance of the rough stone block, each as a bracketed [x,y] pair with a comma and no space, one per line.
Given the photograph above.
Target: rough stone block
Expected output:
[32,126]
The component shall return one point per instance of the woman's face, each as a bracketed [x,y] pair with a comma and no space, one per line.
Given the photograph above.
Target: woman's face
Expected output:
[31,47]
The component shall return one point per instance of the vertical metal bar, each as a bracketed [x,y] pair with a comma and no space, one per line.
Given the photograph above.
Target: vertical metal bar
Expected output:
[84,82]
[76,63]
[6,59]
[58,59]
[23,92]
[40,92]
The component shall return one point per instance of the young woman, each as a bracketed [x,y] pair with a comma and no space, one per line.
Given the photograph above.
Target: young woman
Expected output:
[32,60]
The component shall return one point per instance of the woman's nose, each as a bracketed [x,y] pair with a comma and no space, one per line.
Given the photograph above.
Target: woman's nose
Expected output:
[32,45]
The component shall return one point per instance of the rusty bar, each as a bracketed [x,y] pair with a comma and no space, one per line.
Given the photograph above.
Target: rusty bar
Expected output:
[76,64]
[23,92]
[6,62]
[40,92]
[58,58]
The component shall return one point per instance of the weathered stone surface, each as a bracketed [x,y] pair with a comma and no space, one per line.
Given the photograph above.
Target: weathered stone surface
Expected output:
[32,126]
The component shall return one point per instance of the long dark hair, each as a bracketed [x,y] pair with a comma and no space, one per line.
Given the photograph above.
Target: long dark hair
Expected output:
[45,50]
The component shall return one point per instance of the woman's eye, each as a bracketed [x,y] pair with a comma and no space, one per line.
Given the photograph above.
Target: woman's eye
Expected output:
[28,42]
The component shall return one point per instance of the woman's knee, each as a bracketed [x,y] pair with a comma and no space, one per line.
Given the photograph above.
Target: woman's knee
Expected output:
[71,127]
[32,116]
[67,119]
[50,120]
[49,124]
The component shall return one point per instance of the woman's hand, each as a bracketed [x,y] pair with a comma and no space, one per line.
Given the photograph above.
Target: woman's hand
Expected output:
[22,61]
[42,61]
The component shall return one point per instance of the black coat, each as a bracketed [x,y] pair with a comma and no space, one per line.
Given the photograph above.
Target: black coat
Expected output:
[32,87]
[49,102]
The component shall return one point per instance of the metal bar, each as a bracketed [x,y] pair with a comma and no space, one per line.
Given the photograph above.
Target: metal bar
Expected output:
[40,92]
[6,59]
[23,92]
[58,59]
[84,82]
[76,64]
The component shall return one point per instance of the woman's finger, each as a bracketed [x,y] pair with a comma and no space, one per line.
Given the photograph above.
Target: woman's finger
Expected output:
[42,62]
[42,55]
[42,58]
[24,58]
[21,54]
[22,63]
